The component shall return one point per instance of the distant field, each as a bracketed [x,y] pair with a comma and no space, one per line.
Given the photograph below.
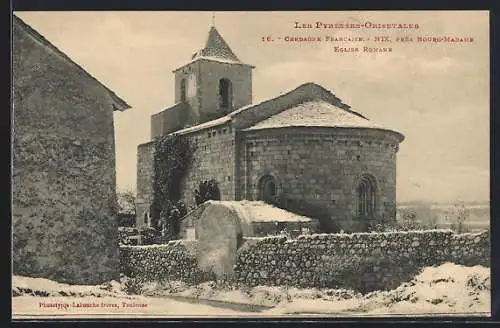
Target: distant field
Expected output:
[473,225]
[478,214]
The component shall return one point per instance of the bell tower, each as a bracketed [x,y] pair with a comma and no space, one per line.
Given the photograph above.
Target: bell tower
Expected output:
[214,82]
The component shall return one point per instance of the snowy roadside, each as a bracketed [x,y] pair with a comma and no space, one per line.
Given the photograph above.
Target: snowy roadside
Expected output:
[444,290]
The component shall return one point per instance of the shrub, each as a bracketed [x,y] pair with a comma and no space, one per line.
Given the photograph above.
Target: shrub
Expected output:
[170,215]
[207,190]
[149,235]
[126,220]
[173,155]
[131,286]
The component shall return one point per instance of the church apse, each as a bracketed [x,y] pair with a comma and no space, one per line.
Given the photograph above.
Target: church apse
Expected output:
[304,145]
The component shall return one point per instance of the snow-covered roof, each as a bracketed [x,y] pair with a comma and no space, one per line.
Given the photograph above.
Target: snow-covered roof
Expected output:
[303,89]
[315,114]
[307,105]
[258,211]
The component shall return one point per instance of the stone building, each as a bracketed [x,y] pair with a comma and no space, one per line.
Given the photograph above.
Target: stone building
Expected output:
[63,175]
[304,147]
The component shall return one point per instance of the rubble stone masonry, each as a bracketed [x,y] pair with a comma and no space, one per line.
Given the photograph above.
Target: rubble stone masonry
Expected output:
[63,182]
[360,261]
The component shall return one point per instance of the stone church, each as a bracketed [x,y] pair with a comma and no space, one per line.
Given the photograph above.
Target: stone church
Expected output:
[305,146]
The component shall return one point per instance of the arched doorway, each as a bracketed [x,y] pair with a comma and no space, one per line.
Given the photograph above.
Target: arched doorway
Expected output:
[268,188]
[367,196]
[225,94]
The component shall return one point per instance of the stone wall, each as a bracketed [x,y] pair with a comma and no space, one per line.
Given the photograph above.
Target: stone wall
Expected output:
[173,261]
[322,167]
[205,104]
[145,174]
[362,261]
[63,182]
[325,178]
[214,159]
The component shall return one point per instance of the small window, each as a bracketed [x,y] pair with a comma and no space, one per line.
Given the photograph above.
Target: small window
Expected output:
[214,133]
[366,196]
[183,90]
[268,188]
[224,130]
[225,94]
[209,134]
[228,178]
[358,157]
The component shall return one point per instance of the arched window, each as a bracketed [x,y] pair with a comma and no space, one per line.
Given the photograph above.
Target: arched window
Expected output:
[267,188]
[146,218]
[183,90]
[225,94]
[366,191]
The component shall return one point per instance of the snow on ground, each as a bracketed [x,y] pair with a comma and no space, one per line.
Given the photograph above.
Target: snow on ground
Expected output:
[447,289]
[106,307]
[44,287]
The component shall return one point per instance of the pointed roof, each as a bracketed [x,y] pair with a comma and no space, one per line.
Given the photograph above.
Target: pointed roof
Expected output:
[216,49]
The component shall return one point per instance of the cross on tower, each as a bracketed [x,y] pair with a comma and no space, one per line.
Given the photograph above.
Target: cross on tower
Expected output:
[213,19]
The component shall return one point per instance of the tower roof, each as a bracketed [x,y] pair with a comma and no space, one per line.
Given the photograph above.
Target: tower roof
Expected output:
[216,47]
[216,50]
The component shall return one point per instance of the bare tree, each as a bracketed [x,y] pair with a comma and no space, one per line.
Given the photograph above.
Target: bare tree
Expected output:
[126,202]
[458,217]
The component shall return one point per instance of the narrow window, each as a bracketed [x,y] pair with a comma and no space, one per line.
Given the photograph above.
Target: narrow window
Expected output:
[183,90]
[225,94]
[268,188]
[366,196]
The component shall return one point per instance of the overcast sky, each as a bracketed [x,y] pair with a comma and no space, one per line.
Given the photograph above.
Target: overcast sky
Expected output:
[437,95]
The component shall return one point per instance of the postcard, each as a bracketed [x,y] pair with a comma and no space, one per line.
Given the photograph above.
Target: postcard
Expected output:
[195,164]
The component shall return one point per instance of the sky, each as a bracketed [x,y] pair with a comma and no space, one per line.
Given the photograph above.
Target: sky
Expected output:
[436,94]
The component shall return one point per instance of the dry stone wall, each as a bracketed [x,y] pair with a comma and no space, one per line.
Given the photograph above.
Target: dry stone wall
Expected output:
[362,261]
[173,261]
